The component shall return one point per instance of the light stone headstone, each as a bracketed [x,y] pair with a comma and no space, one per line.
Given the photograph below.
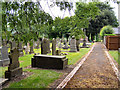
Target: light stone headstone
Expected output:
[53,46]
[60,44]
[66,46]
[27,49]
[4,59]
[13,45]
[20,49]
[13,70]
[73,45]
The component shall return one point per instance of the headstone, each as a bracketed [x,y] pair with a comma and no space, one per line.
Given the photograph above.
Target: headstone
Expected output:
[20,49]
[49,62]
[84,44]
[60,44]
[57,41]
[44,45]
[13,70]
[4,59]
[73,44]
[53,46]
[38,44]
[31,50]
[48,47]
[77,44]
[66,46]
[27,49]
[58,52]
[13,45]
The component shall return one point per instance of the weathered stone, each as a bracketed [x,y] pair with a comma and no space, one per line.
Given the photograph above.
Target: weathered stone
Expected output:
[49,62]
[84,44]
[13,45]
[38,44]
[20,49]
[77,44]
[44,45]
[48,47]
[60,44]
[66,46]
[13,70]
[58,52]
[31,50]
[53,46]
[73,45]
[4,59]
[27,49]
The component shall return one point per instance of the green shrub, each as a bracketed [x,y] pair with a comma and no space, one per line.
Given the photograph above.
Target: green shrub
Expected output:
[106,30]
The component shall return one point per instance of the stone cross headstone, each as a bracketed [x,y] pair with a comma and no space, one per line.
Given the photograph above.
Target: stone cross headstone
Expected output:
[53,46]
[20,49]
[13,70]
[13,45]
[73,45]
[4,59]
[44,45]
[77,44]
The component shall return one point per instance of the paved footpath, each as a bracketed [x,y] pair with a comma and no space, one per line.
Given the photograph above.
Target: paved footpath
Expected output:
[96,72]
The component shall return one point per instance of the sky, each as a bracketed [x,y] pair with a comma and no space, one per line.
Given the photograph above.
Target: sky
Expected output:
[55,11]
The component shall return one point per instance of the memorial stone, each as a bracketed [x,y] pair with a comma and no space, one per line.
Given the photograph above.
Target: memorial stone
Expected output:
[38,44]
[66,46]
[73,45]
[20,49]
[27,49]
[13,45]
[31,50]
[53,46]
[77,44]
[13,70]
[48,47]
[44,46]
[60,44]
[4,59]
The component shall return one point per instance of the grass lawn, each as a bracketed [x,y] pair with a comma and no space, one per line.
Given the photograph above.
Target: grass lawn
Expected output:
[115,55]
[42,78]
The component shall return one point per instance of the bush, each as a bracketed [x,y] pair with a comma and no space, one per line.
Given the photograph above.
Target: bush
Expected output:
[106,30]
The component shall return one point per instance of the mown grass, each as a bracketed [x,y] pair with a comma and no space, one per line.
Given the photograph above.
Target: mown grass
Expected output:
[42,78]
[115,55]
[39,79]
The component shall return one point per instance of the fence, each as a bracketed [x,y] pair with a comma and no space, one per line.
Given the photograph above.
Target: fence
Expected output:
[113,42]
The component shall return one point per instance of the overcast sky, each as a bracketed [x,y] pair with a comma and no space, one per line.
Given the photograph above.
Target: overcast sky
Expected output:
[55,11]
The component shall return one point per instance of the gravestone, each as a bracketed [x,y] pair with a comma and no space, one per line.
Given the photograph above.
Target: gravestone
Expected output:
[48,47]
[31,50]
[58,52]
[77,44]
[53,46]
[57,41]
[60,44]
[4,59]
[13,45]
[84,44]
[20,49]
[66,46]
[44,45]
[13,70]
[73,45]
[49,62]
[38,44]
[27,49]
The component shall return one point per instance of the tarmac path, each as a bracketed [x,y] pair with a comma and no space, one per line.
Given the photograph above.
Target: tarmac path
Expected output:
[96,72]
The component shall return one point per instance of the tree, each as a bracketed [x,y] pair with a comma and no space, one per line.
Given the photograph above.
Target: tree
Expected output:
[106,30]
[106,17]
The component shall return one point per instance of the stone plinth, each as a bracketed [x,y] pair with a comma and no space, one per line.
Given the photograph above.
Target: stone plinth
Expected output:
[49,62]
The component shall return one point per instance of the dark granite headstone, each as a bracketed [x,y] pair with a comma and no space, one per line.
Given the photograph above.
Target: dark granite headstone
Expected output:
[4,59]
[53,46]
[49,62]
[13,69]
[44,45]
[77,44]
